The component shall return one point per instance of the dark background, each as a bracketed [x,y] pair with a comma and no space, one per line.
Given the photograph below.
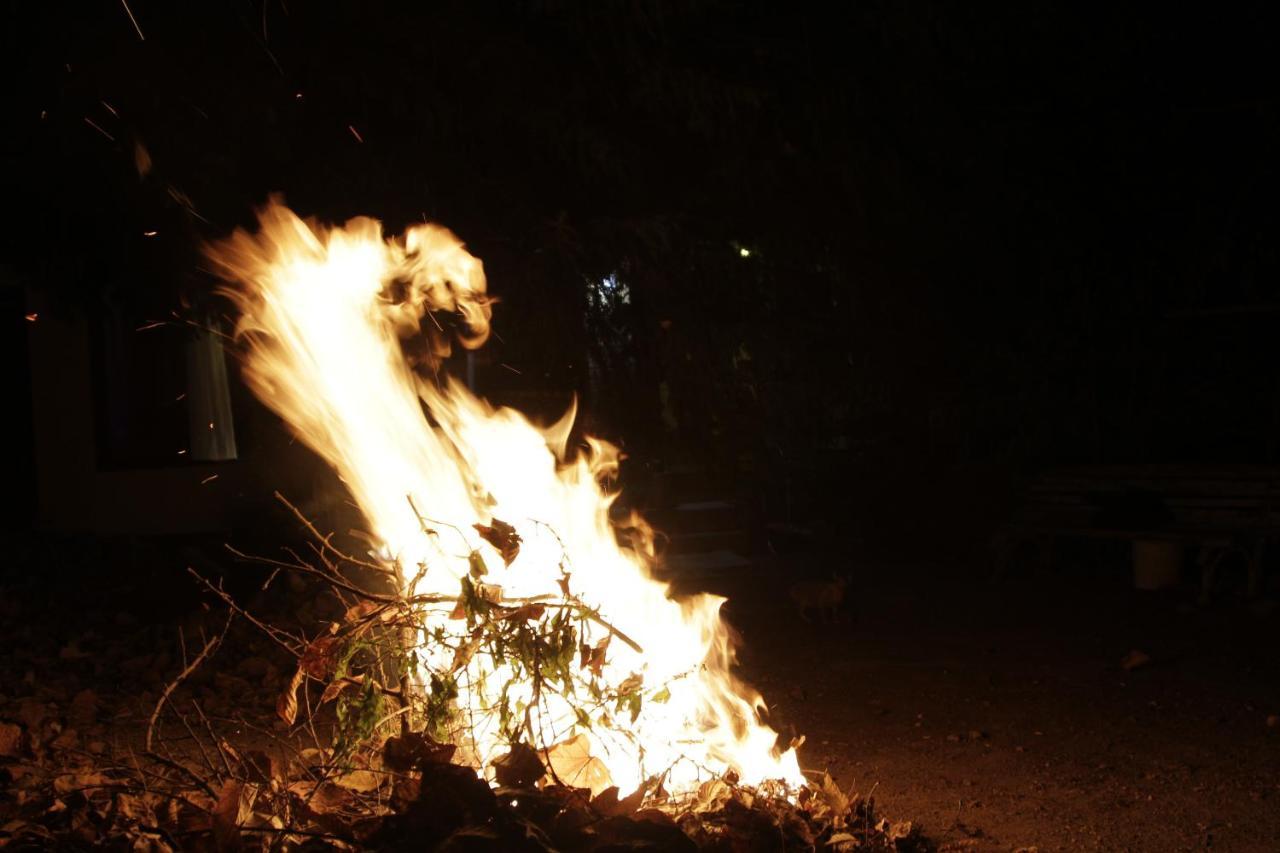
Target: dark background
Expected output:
[980,241]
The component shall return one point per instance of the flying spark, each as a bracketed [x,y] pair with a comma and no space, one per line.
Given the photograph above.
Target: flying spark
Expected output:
[133,20]
[89,122]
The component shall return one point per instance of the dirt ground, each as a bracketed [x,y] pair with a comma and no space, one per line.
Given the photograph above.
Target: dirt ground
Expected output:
[1001,718]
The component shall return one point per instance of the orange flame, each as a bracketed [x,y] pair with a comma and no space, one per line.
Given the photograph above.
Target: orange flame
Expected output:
[324,311]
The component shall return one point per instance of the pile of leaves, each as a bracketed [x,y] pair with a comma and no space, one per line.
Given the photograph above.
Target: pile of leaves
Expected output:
[415,797]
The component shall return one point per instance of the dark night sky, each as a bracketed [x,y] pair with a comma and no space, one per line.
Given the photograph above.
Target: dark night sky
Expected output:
[981,235]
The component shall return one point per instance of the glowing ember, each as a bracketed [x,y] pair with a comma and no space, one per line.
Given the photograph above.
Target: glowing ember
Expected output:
[324,311]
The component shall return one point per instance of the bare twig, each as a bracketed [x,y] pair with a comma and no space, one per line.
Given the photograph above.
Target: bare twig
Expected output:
[312,570]
[213,738]
[271,632]
[182,676]
[325,541]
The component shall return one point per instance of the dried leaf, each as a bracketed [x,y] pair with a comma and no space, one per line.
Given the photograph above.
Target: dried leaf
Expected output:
[83,710]
[606,800]
[832,797]
[563,582]
[192,814]
[33,713]
[463,654]
[503,537]
[712,795]
[262,768]
[519,768]
[490,592]
[338,685]
[321,657]
[527,613]
[631,683]
[134,808]
[631,802]
[415,750]
[608,804]
[321,798]
[476,566]
[362,781]
[287,703]
[405,790]
[80,782]
[13,740]
[593,657]
[69,739]
[226,816]
[360,611]
[571,763]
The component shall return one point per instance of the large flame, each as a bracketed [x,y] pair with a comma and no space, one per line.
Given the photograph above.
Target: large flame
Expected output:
[324,312]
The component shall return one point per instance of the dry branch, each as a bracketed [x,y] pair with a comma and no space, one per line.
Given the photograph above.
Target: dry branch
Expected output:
[208,649]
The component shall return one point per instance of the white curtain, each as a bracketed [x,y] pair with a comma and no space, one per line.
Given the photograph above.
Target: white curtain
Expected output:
[213,433]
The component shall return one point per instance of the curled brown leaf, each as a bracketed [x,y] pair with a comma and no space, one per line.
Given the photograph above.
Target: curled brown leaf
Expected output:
[593,657]
[287,702]
[503,537]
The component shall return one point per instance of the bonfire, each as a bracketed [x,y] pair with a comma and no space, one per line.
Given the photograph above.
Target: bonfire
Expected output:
[523,619]
[504,670]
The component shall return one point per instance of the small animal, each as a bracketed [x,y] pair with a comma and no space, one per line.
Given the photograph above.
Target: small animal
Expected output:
[826,597]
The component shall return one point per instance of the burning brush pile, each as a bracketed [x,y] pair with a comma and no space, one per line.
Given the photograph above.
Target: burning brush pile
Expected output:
[505,672]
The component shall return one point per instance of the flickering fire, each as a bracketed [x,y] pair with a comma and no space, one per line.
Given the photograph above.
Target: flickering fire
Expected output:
[324,313]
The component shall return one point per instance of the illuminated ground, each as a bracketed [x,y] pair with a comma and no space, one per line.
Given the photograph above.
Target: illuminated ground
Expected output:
[1000,717]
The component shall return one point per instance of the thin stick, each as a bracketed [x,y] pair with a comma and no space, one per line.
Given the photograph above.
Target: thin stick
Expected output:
[182,676]
[214,739]
[199,745]
[325,540]
[257,623]
[312,570]
[422,522]
[185,771]
[594,617]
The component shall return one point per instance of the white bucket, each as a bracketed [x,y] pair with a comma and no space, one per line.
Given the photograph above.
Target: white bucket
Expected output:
[1157,564]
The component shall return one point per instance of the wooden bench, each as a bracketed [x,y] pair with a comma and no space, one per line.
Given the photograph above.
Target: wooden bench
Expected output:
[1217,510]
